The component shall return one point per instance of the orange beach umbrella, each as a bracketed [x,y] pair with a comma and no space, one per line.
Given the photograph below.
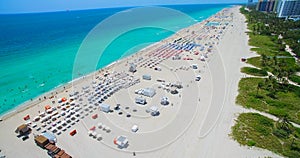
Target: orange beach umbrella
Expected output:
[47,107]
[63,99]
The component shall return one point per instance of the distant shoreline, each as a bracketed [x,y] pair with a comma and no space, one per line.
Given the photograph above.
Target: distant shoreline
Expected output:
[121,7]
[34,101]
[197,120]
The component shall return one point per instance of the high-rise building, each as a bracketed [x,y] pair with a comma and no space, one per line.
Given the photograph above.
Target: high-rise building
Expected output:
[261,5]
[266,5]
[275,5]
[288,8]
[270,6]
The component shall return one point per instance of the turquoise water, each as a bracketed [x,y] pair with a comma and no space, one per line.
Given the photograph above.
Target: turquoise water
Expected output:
[212,24]
[37,51]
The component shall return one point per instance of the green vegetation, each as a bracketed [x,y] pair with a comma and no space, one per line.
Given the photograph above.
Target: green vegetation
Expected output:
[295,79]
[280,67]
[280,136]
[272,59]
[254,71]
[269,26]
[267,95]
[273,94]
[269,35]
[267,45]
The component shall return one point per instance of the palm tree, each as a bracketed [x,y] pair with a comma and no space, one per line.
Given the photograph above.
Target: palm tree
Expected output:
[259,86]
[264,60]
[284,124]
[285,82]
[275,60]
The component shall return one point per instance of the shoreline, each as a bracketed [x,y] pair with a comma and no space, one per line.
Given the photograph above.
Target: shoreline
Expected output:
[60,88]
[196,108]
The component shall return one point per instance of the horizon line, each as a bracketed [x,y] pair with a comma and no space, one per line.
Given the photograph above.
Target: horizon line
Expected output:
[72,10]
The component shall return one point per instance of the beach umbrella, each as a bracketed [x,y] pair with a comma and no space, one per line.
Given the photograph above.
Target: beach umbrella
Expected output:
[49,111]
[28,122]
[36,118]
[42,114]
[107,129]
[99,125]
[202,58]
[77,114]
[68,120]
[47,107]
[99,136]
[63,99]
[93,128]
[27,117]
[90,133]
[55,113]
[72,102]
[104,127]
[72,133]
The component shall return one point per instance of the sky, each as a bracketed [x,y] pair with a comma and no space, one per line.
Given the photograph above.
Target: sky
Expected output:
[28,6]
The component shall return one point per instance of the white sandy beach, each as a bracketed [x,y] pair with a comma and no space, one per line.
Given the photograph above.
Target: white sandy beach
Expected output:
[196,123]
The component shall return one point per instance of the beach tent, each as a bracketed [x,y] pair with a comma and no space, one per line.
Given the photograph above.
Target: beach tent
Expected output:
[134,128]
[121,141]
[164,101]
[41,141]
[60,154]
[132,67]
[154,111]
[140,100]
[147,77]
[23,129]
[149,92]
[51,137]
[174,90]
[104,107]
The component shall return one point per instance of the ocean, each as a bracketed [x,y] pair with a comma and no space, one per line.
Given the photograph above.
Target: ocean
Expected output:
[37,50]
